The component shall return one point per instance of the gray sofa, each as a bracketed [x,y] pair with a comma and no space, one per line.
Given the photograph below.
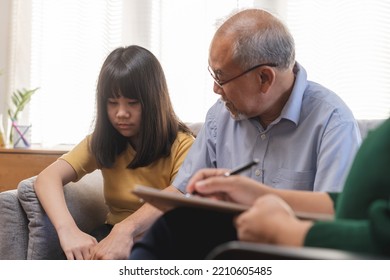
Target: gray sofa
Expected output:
[27,233]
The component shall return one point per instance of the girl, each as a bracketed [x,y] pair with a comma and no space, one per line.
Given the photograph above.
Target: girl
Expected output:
[137,139]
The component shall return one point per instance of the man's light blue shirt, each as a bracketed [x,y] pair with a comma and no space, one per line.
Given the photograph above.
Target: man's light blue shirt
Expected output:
[310,146]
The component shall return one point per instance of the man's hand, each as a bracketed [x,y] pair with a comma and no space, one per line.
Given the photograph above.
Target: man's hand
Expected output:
[236,188]
[116,246]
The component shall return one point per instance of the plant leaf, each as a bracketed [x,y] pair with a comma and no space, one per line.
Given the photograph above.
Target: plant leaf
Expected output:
[20,99]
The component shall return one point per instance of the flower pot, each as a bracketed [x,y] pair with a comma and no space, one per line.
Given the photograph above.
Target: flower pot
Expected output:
[21,136]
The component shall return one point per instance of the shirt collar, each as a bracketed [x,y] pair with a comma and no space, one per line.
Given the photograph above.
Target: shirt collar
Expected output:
[292,109]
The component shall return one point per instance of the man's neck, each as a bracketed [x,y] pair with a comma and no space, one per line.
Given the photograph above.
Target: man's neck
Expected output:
[285,85]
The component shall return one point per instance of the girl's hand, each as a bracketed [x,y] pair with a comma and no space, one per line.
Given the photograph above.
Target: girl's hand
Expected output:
[77,245]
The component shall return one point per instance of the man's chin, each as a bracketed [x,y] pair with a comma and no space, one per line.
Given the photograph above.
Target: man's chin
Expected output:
[238,116]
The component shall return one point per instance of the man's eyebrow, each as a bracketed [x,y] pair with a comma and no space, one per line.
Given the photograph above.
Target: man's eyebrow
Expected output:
[218,72]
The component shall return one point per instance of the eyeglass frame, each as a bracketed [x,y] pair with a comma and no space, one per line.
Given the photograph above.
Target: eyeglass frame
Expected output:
[221,84]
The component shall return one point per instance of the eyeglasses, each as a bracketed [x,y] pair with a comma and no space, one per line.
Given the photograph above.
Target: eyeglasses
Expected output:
[220,84]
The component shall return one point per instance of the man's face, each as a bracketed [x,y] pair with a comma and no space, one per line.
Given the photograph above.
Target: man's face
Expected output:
[237,88]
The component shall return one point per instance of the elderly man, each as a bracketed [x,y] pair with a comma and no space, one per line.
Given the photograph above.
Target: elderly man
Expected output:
[303,134]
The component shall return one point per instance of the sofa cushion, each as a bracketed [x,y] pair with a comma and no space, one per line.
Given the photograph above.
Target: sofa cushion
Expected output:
[85,202]
[13,233]
[43,241]
[195,127]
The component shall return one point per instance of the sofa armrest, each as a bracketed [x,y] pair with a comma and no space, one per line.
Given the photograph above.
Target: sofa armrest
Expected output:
[13,232]
[85,202]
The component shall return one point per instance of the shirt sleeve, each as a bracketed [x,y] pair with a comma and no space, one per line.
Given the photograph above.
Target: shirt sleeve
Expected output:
[370,235]
[201,155]
[334,197]
[81,158]
[185,142]
[335,156]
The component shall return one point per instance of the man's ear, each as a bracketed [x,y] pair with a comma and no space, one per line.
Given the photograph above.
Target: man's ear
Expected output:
[267,78]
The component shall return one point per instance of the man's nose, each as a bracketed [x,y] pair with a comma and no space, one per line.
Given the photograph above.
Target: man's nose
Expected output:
[217,89]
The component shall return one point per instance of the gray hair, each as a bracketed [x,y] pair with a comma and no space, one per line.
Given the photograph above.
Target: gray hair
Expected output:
[260,37]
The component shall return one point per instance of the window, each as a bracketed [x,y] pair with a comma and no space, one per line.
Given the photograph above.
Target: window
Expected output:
[71,38]
[344,46]
[186,29]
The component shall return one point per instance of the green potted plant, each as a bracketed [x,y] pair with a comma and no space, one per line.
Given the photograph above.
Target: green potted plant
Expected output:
[20,98]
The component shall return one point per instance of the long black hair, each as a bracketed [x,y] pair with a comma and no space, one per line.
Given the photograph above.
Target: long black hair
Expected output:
[134,72]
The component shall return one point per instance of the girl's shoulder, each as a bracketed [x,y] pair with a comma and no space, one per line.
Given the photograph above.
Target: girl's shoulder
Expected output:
[184,137]
[183,140]
[182,144]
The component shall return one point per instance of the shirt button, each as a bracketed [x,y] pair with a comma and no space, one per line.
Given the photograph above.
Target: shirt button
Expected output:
[258,172]
[263,136]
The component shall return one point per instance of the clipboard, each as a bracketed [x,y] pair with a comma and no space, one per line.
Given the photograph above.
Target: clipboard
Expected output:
[166,201]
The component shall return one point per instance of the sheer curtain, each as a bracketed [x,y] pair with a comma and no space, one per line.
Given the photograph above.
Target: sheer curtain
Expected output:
[342,44]
[70,39]
[185,30]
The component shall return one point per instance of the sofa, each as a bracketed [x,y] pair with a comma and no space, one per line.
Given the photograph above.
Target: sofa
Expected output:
[27,233]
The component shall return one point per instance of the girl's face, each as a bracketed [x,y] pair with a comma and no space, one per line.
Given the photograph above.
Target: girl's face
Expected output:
[125,115]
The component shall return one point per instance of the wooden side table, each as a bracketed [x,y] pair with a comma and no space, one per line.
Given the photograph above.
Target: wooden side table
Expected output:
[19,164]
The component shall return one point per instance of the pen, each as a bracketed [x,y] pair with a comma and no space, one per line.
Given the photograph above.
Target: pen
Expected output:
[241,168]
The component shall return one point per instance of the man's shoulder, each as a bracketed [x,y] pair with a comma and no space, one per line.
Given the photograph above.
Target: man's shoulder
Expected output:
[322,99]
[321,106]
[319,91]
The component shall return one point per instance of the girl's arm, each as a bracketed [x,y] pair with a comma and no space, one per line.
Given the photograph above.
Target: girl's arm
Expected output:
[49,190]
[124,234]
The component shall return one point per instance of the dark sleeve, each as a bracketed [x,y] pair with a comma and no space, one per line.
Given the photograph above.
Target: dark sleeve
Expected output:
[368,179]
[371,236]
[362,221]
[334,196]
